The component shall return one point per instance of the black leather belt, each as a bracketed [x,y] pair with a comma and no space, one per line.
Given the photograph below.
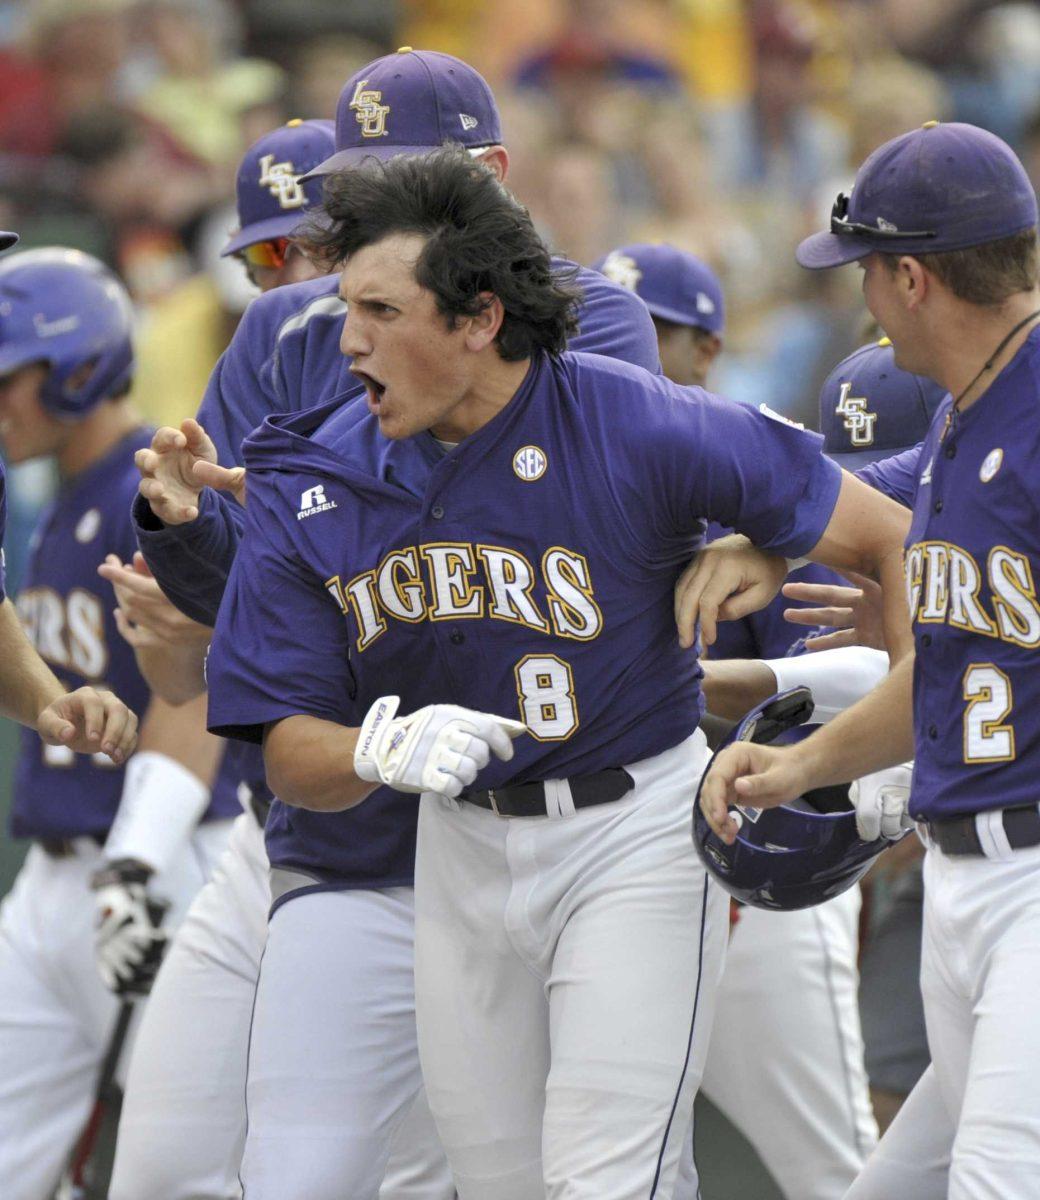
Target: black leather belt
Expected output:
[528,799]
[958,835]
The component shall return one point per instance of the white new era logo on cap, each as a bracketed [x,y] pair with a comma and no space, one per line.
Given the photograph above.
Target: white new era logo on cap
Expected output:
[705,304]
[468,122]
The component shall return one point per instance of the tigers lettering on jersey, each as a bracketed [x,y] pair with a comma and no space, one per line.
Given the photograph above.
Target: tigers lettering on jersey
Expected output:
[449,581]
[68,631]
[944,582]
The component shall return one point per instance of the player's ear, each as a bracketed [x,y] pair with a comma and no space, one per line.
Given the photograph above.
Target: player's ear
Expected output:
[496,159]
[913,280]
[482,329]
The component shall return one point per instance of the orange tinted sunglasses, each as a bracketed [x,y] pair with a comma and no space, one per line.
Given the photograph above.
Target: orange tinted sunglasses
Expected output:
[270,254]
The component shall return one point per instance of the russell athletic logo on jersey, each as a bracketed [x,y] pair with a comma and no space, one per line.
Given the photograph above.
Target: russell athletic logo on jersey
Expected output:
[280,180]
[460,581]
[855,417]
[369,113]
[313,501]
[943,583]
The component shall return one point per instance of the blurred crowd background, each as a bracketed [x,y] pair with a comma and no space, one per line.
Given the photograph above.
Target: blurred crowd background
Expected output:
[724,126]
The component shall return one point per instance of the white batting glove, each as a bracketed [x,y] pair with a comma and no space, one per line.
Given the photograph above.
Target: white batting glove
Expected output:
[439,748]
[881,801]
[128,942]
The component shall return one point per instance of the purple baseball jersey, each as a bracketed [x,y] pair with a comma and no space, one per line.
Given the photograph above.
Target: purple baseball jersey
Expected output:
[67,610]
[972,555]
[527,572]
[284,357]
[896,477]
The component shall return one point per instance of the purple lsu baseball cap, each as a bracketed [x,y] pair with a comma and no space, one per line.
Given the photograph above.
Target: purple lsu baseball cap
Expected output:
[7,240]
[871,409]
[940,187]
[270,198]
[673,285]
[411,102]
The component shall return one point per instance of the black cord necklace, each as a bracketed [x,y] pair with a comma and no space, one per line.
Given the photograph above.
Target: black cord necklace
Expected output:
[986,366]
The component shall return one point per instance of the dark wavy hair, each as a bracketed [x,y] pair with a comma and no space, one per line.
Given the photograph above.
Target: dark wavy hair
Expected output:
[479,240]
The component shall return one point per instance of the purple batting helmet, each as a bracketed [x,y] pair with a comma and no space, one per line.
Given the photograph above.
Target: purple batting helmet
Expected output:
[66,309]
[799,854]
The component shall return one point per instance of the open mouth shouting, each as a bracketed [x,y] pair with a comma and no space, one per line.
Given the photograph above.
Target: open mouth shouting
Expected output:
[373,389]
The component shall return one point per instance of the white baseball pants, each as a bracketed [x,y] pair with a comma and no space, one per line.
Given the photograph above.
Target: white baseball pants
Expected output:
[980,975]
[565,977]
[786,1057]
[56,1016]
[333,1075]
[183,1128]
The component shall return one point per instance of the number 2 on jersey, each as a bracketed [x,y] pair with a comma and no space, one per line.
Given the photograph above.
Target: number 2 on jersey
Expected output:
[988,692]
[548,706]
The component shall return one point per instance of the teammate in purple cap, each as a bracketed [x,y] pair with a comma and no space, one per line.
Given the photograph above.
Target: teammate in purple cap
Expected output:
[942,221]
[477,536]
[272,202]
[284,357]
[193,1038]
[684,297]
[792,1079]
[142,834]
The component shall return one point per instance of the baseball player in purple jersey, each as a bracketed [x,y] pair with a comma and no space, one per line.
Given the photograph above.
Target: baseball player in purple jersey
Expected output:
[30,692]
[477,534]
[193,1037]
[792,1076]
[146,832]
[285,357]
[943,223]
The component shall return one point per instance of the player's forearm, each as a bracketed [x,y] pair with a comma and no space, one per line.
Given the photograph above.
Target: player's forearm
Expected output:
[310,764]
[899,638]
[27,684]
[865,534]
[174,673]
[191,562]
[875,733]
[179,732]
[733,686]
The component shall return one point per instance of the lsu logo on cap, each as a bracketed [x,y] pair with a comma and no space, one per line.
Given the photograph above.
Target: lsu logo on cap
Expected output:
[622,269]
[369,113]
[529,463]
[855,417]
[280,179]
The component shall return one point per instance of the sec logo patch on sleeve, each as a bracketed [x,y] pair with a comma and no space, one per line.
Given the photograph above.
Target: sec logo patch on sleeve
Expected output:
[529,463]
